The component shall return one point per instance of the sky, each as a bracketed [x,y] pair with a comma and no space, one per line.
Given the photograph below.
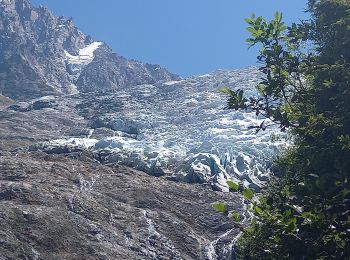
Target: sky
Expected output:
[188,37]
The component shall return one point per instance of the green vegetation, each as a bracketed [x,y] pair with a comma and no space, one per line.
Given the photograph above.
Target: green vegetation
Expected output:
[305,90]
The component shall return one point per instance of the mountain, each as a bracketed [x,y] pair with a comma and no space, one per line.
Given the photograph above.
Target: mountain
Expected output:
[41,54]
[102,157]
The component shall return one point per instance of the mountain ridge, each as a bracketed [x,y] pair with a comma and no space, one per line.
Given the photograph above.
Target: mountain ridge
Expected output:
[35,47]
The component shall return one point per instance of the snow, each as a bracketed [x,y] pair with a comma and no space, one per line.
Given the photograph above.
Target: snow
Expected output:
[76,63]
[172,82]
[204,76]
[85,56]
[74,142]
[73,89]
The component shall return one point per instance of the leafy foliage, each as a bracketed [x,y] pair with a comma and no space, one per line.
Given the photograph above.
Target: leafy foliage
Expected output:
[233,185]
[306,90]
[248,194]
[235,217]
[219,207]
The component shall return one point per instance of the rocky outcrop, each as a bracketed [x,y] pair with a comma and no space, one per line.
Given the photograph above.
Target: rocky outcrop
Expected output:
[32,43]
[41,54]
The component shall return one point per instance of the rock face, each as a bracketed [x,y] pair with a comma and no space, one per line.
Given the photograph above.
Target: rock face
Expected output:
[41,54]
[72,207]
[111,73]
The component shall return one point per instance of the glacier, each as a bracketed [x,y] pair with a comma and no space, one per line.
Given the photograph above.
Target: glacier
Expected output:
[180,129]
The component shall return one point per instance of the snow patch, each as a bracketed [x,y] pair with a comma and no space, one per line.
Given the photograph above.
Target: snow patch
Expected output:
[86,54]
[172,82]
[84,143]
[204,76]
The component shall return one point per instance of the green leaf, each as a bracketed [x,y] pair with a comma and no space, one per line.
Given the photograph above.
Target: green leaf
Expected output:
[292,224]
[277,239]
[251,30]
[259,20]
[287,213]
[278,16]
[249,40]
[240,94]
[235,217]
[249,21]
[226,91]
[307,215]
[258,33]
[219,207]
[248,194]
[258,211]
[232,185]
[346,192]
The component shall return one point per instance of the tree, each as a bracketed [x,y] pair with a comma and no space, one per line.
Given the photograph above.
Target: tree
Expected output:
[305,90]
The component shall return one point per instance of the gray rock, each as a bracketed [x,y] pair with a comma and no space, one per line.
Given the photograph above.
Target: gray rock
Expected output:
[109,72]
[70,207]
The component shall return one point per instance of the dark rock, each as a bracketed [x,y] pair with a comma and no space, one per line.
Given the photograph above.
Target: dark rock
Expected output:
[41,104]
[18,108]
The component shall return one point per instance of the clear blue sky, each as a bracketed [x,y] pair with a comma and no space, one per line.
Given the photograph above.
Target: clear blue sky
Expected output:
[188,37]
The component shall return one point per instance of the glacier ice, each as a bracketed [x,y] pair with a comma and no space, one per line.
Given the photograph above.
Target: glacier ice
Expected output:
[180,129]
